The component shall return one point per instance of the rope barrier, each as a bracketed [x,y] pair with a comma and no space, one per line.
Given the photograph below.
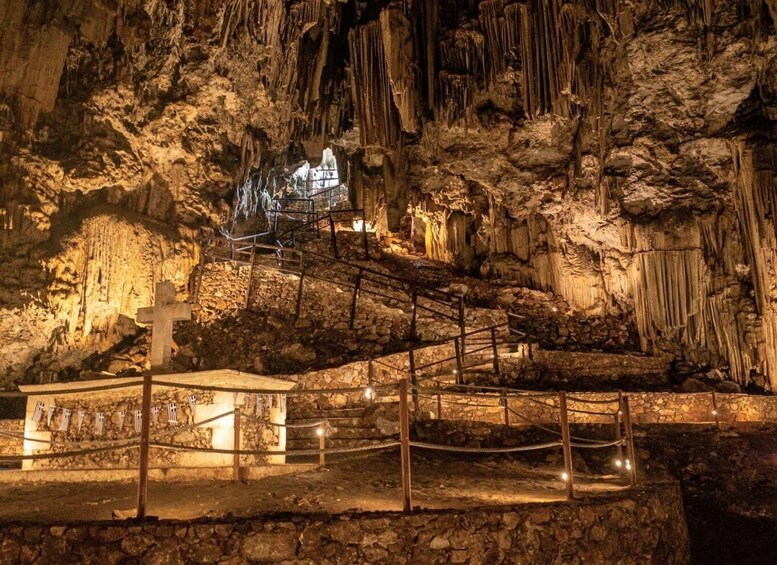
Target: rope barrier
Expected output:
[615,400]
[599,445]
[61,454]
[437,447]
[288,426]
[327,451]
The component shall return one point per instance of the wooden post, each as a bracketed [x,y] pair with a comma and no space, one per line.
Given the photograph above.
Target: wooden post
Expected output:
[364,237]
[439,401]
[630,452]
[565,439]
[715,408]
[462,327]
[495,352]
[618,426]
[413,378]
[354,298]
[236,447]
[299,289]
[413,320]
[321,445]
[333,236]
[404,436]
[506,407]
[144,446]
[459,362]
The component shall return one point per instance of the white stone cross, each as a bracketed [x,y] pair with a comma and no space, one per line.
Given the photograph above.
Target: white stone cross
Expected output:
[162,315]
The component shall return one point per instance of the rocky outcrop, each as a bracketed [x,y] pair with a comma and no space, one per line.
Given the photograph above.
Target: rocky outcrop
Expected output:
[619,153]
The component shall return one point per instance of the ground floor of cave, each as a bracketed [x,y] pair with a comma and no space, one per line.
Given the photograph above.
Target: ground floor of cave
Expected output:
[371,483]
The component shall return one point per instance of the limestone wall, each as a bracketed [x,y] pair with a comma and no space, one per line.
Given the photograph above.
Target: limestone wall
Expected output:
[646,408]
[634,527]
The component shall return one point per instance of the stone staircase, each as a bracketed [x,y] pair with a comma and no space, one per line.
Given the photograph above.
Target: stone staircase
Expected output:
[347,426]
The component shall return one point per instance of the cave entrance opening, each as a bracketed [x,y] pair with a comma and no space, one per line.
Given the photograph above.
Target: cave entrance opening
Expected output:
[321,183]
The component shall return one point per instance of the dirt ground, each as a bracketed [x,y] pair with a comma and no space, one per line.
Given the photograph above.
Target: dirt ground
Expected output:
[368,483]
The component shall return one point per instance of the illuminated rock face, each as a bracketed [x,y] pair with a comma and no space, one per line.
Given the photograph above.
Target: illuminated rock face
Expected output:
[620,152]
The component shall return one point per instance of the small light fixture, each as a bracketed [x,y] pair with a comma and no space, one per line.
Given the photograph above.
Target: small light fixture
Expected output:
[554,309]
[618,463]
[628,465]
[564,476]
[455,371]
[620,412]
[369,393]
[320,431]
[714,412]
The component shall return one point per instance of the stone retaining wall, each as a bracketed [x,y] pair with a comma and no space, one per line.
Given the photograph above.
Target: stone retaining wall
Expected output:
[607,365]
[328,304]
[11,445]
[644,526]
[646,408]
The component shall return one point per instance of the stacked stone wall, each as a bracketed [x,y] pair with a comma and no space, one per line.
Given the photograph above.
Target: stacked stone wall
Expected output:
[646,408]
[644,526]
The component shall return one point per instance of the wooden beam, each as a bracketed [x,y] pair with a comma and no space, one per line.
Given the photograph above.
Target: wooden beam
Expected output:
[404,436]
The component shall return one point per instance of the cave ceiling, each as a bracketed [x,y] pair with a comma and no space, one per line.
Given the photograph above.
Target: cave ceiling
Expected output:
[620,153]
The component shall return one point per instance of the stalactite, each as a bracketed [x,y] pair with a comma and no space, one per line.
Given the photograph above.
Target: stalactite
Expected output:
[371,88]
[399,48]
[756,206]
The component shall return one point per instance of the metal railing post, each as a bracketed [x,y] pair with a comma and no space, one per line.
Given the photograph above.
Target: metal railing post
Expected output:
[144,446]
[459,364]
[495,352]
[356,288]
[413,320]
[404,438]
[567,444]
[413,378]
[506,408]
[618,430]
[299,289]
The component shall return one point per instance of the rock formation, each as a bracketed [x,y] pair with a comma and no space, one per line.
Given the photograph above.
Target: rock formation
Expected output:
[620,153]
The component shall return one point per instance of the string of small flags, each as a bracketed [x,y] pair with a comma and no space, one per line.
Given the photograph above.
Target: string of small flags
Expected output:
[41,411]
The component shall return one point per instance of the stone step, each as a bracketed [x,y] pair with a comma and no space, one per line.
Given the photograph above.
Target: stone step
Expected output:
[294,444]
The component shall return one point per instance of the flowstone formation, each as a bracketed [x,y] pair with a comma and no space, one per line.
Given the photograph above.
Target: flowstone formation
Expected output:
[620,153]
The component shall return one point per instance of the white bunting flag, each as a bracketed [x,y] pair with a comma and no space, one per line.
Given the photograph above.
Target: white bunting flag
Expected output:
[99,423]
[38,412]
[50,415]
[122,416]
[258,406]
[269,403]
[155,413]
[138,421]
[172,413]
[283,403]
[193,406]
[234,400]
[64,423]
[81,415]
